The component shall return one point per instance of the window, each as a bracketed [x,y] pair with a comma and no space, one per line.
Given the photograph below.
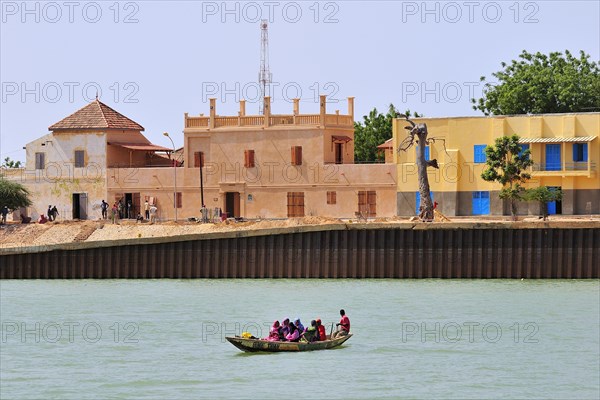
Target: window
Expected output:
[481,203]
[295,204]
[479,153]
[179,200]
[580,152]
[79,159]
[331,198]
[249,158]
[524,147]
[427,158]
[367,203]
[296,155]
[40,160]
[198,159]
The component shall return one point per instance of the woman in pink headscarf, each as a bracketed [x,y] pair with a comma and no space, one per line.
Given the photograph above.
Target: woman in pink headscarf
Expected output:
[274,332]
[294,334]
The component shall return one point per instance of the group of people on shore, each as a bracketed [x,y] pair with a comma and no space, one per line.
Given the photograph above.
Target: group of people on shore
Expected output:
[294,331]
[50,216]
[121,211]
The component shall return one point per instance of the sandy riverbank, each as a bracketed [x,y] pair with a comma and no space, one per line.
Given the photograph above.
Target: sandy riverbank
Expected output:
[63,232]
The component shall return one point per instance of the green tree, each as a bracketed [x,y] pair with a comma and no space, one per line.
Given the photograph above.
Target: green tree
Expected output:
[13,194]
[505,164]
[539,83]
[375,129]
[543,195]
[8,163]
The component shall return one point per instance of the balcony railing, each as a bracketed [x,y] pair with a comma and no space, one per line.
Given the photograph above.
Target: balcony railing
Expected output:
[326,120]
[572,166]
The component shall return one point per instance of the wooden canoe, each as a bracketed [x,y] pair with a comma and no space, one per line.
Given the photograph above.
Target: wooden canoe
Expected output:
[260,345]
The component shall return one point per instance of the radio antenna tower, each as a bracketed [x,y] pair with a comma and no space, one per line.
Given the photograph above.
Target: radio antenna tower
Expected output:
[264,75]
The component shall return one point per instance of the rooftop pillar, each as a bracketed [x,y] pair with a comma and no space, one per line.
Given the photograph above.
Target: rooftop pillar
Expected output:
[296,106]
[213,112]
[242,108]
[267,111]
[351,107]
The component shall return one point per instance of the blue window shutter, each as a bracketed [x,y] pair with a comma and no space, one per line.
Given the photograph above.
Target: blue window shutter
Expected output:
[580,151]
[553,161]
[523,148]
[479,153]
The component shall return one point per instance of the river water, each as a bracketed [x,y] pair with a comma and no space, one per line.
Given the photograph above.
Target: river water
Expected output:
[90,339]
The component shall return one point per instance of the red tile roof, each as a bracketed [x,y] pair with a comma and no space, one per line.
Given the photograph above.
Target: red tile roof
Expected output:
[96,115]
[386,145]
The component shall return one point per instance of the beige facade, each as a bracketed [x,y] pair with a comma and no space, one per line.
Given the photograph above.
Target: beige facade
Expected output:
[324,181]
[254,166]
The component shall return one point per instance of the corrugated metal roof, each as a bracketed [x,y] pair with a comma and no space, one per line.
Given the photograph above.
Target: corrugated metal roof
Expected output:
[140,146]
[577,139]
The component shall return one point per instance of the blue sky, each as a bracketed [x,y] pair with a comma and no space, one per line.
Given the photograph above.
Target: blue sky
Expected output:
[155,60]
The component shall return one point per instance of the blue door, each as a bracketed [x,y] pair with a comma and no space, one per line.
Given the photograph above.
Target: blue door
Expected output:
[419,201]
[554,207]
[481,203]
[553,157]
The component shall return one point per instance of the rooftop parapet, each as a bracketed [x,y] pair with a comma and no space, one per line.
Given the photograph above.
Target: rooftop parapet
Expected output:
[321,120]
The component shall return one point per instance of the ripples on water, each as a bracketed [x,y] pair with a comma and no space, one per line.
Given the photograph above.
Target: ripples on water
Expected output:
[413,339]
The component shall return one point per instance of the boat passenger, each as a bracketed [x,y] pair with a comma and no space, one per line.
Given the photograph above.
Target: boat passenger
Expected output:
[285,327]
[294,335]
[275,332]
[299,325]
[311,334]
[343,325]
[321,329]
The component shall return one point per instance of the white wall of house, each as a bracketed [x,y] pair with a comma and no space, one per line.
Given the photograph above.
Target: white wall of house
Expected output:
[60,178]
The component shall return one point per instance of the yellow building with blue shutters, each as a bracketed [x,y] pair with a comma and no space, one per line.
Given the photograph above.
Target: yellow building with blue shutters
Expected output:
[564,147]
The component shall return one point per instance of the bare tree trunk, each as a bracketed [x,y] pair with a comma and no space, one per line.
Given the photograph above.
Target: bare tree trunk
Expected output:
[513,209]
[418,134]
[426,208]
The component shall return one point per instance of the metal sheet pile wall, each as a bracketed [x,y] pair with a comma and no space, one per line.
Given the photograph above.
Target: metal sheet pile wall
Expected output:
[368,253]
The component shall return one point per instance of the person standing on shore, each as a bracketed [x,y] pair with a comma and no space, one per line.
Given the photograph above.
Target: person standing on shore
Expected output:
[153,211]
[49,213]
[204,214]
[114,213]
[104,208]
[4,213]
[54,213]
[146,209]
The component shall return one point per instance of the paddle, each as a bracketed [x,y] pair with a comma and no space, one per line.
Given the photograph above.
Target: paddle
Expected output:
[331,332]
